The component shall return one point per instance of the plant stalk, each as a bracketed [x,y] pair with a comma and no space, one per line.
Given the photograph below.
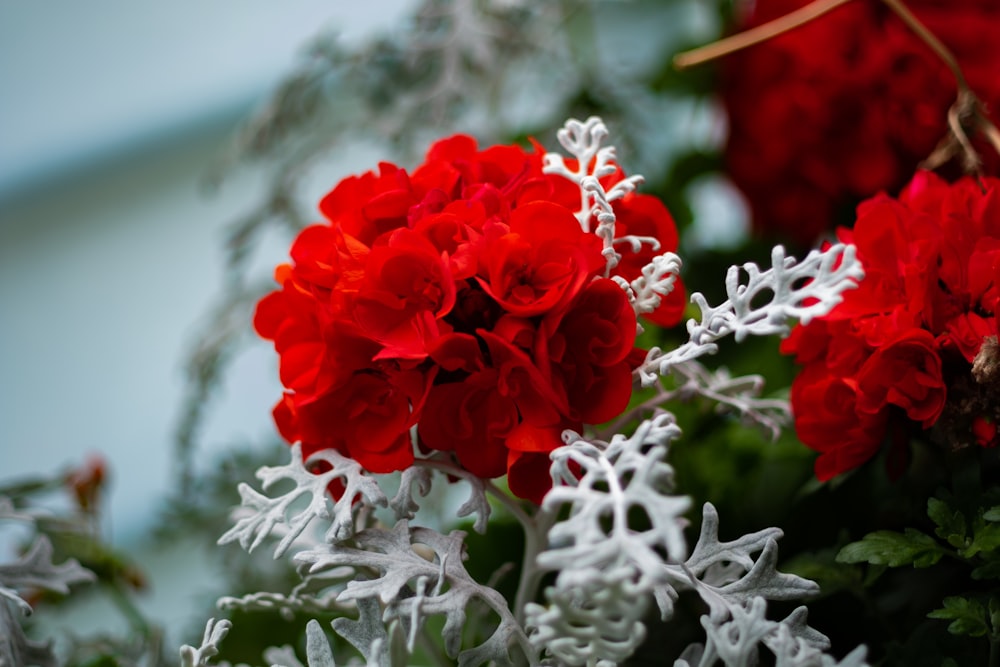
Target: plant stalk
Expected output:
[761,33]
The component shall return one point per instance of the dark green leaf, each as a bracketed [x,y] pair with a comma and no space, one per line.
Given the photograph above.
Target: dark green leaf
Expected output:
[968,617]
[950,523]
[985,538]
[989,570]
[886,547]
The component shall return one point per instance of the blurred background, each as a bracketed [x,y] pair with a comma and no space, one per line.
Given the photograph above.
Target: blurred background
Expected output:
[156,159]
[113,116]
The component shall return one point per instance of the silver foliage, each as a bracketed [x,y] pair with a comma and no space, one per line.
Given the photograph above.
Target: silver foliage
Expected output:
[791,290]
[270,513]
[613,479]
[209,648]
[735,641]
[412,587]
[607,570]
[740,394]
[583,140]
[33,570]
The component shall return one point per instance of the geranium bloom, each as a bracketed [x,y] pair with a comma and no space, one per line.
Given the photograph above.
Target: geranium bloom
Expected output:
[464,302]
[838,109]
[901,347]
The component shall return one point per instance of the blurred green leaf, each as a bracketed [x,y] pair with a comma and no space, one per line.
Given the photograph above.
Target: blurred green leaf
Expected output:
[990,570]
[886,547]
[968,617]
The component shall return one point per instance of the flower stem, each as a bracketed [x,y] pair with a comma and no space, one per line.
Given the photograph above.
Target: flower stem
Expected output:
[535,537]
[535,529]
[761,33]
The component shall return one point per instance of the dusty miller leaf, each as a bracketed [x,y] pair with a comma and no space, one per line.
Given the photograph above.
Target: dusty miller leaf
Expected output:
[412,479]
[35,569]
[412,587]
[798,291]
[199,657]
[593,617]
[728,574]
[606,568]
[270,513]
[613,479]
[16,649]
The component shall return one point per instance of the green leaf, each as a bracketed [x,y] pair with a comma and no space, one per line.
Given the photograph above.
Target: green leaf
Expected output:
[985,539]
[886,547]
[989,570]
[968,617]
[950,523]
[992,514]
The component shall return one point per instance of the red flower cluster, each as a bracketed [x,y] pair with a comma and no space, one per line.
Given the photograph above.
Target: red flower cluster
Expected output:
[847,105]
[463,299]
[916,322]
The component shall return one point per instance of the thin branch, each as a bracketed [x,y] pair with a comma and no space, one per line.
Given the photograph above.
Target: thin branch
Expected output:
[761,33]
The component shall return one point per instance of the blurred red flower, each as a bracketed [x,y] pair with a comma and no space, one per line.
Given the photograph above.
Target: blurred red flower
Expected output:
[845,106]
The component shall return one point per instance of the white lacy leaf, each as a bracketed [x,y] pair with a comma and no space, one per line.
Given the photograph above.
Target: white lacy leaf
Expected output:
[412,587]
[10,511]
[740,394]
[594,617]
[318,653]
[735,641]
[731,574]
[270,513]
[412,479]
[593,162]
[790,290]
[16,649]
[736,579]
[199,657]
[615,478]
[655,282]
[33,570]
[607,569]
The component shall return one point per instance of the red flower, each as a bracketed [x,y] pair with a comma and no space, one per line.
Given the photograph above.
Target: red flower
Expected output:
[408,288]
[904,372]
[920,316]
[463,300]
[542,262]
[847,105]
[984,430]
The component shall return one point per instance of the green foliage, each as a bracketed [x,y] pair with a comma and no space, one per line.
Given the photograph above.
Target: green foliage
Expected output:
[887,547]
[968,616]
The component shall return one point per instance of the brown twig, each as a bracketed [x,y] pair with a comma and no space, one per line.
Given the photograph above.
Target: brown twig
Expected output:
[761,33]
[966,112]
